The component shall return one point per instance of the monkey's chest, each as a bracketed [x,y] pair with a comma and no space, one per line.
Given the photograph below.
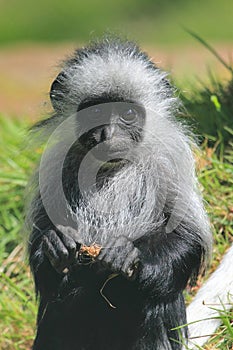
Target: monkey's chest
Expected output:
[101,315]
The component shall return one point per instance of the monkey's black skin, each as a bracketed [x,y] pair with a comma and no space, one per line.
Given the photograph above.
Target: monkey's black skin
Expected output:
[152,271]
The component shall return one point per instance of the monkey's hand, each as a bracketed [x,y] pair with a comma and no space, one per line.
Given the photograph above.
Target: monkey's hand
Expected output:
[60,247]
[121,256]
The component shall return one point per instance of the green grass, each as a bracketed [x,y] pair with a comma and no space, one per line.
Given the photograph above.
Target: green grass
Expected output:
[17,304]
[16,164]
[152,21]
[210,109]
[211,106]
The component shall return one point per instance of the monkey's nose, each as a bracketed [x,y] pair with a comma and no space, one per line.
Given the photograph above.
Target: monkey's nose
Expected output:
[107,133]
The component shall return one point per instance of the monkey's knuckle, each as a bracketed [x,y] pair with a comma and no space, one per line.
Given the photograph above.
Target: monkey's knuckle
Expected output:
[72,247]
[65,254]
[136,253]
[130,271]
[51,233]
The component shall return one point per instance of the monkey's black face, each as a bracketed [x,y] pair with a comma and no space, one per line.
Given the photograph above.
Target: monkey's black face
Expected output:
[111,129]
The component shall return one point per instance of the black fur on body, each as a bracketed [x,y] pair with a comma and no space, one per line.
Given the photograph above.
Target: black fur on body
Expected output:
[152,265]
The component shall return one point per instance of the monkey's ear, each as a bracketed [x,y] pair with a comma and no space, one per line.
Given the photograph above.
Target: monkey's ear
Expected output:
[58,91]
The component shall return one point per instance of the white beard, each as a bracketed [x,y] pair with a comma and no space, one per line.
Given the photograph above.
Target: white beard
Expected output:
[128,204]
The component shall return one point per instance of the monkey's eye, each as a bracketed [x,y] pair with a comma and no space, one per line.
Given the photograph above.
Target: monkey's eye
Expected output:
[96,110]
[129,116]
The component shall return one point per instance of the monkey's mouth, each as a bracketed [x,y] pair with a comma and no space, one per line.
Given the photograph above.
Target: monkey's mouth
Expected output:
[109,153]
[116,160]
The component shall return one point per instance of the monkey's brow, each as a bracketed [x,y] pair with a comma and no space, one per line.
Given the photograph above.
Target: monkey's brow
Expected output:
[101,100]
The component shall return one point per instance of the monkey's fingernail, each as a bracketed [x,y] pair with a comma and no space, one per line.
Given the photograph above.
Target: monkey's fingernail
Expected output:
[130,272]
[66,270]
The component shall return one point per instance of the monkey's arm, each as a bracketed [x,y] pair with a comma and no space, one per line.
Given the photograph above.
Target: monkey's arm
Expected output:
[167,262]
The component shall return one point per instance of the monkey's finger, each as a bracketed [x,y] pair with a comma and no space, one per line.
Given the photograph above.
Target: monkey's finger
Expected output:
[114,247]
[103,253]
[131,263]
[55,250]
[71,245]
[107,251]
[111,254]
[120,255]
[51,253]
[69,232]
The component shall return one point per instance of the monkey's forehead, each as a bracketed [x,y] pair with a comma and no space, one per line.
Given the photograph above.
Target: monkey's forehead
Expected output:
[116,70]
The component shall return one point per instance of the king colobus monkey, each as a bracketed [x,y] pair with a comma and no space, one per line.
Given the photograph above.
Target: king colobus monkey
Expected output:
[118,224]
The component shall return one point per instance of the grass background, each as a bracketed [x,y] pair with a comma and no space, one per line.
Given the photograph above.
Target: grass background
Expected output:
[150,21]
[208,108]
